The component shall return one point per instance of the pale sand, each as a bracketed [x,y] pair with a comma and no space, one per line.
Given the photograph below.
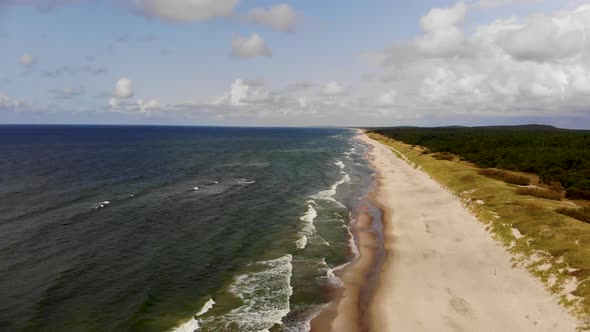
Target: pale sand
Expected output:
[443,271]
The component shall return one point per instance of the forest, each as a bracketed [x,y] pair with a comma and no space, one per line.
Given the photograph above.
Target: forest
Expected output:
[556,155]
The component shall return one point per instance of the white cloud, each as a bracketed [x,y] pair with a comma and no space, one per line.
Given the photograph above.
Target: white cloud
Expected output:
[515,67]
[334,89]
[184,11]
[387,99]
[27,60]
[280,17]
[9,103]
[237,92]
[249,47]
[543,38]
[442,34]
[146,106]
[123,88]
[302,102]
[243,93]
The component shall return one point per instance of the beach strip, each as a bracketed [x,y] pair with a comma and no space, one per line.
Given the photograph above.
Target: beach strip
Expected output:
[442,270]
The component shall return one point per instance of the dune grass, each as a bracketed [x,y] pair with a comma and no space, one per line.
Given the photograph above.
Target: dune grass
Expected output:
[552,246]
[582,214]
[541,193]
[505,176]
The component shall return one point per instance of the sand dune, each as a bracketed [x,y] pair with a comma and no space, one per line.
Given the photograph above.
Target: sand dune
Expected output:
[443,271]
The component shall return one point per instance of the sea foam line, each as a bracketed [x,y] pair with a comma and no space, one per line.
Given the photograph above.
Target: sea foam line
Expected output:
[193,324]
[265,297]
[308,226]
[328,194]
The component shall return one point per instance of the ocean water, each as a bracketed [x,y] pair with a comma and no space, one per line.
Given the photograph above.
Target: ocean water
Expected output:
[115,228]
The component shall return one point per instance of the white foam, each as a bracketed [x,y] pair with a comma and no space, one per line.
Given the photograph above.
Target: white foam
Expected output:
[190,326]
[327,195]
[308,228]
[244,182]
[302,242]
[265,297]
[308,218]
[101,204]
[193,323]
[206,307]
[332,278]
[352,243]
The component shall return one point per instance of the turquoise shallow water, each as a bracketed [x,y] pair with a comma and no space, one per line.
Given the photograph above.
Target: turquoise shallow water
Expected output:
[164,228]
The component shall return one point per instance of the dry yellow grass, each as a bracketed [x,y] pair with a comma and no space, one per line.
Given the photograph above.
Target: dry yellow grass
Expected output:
[553,247]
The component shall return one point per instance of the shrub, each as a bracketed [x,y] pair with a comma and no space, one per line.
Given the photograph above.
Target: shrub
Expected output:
[541,193]
[575,193]
[517,179]
[443,156]
[556,186]
[582,214]
[505,176]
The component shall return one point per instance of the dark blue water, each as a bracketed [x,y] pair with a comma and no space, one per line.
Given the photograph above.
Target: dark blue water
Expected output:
[142,228]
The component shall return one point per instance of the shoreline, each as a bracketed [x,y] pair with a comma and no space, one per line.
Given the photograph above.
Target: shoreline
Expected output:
[443,271]
[347,312]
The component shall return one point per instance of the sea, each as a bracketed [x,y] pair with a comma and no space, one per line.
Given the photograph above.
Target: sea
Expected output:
[155,228]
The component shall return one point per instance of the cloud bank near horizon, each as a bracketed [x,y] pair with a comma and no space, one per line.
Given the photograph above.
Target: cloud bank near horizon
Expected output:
[535,66]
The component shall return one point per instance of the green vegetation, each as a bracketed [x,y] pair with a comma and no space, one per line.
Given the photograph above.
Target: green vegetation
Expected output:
[553,246]
[582,214]
[505,176]
[541,193]
[553,154]
[443,156]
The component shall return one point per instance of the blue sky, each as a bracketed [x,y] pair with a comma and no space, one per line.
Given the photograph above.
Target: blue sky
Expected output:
[339,63]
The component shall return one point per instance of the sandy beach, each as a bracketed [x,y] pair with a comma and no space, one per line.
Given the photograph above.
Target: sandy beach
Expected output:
[442,271]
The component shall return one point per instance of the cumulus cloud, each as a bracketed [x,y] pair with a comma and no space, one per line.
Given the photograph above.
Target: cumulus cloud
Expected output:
[542,38]
[243,93]
[334,89]
[515,67]
[442,35]
[280,17]
[249,47]
[387,99]
[27,60]
[123,88]
[183,11]
[8,103]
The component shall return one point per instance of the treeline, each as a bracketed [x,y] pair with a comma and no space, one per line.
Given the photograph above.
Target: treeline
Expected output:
[556,155]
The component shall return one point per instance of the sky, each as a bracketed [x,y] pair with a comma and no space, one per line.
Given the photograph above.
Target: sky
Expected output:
[295,63]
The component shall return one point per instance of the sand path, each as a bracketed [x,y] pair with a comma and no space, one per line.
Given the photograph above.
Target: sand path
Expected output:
[443,271]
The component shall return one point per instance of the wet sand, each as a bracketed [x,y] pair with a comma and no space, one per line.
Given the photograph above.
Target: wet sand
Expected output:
[348,312]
